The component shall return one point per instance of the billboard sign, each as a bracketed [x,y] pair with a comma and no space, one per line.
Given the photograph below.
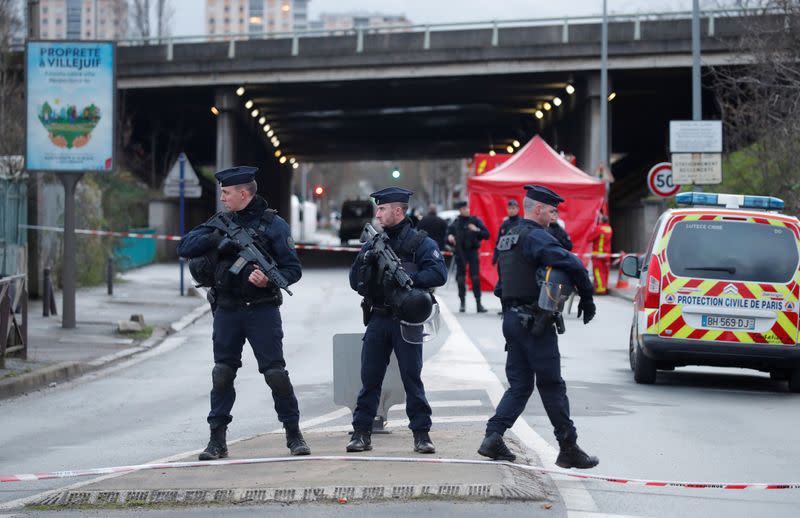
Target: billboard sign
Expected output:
[70,106]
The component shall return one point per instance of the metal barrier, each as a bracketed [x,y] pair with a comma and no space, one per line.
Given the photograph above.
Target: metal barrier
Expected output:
[13,317]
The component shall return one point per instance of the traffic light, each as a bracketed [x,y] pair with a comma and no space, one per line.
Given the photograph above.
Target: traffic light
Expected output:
[319,191]
[396,173]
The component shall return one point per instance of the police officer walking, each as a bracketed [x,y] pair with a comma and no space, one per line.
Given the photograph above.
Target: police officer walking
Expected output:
[422,261]
[466,234]
[533,355]
[245,305]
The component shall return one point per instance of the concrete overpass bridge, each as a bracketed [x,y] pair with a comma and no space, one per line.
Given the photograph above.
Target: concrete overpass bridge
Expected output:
[434,91]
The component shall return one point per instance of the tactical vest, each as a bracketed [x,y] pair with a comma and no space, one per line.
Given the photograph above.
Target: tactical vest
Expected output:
[407,253]
[236,289]
[517,272]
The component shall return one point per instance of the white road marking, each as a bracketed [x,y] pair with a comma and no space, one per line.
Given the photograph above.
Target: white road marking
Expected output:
[403,423]
[473,369]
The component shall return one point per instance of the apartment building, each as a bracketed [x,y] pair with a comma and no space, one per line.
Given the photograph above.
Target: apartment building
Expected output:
[243,17]
[83,19]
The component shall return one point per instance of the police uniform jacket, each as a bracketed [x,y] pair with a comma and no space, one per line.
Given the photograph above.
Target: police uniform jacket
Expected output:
[275,239]
[436,228]
[467,239]
[425,265]
[540,249]
[507,224]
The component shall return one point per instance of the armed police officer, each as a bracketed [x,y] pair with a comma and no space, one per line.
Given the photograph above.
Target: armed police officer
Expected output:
[385,317]
[512,209]
[245,303]
[533,357]
[465,234]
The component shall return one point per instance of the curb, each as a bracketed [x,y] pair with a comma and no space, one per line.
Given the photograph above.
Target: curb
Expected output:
[66,371]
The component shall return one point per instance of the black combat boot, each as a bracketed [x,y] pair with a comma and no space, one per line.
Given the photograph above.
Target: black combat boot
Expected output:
[463,307]
[423,443]
[495,448]
[571,456]
[476,290]
[295,441]
[217,448]
[361,441]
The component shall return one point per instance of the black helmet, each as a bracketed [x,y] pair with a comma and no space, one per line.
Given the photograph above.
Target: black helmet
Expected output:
[202,268]
[414,306]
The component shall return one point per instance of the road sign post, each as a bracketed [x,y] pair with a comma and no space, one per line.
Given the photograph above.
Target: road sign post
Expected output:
[182,182]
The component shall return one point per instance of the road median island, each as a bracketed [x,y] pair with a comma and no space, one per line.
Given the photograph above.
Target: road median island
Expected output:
[315,479]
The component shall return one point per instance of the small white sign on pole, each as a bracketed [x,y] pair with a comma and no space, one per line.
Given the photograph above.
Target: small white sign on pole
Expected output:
[695,136]
[697,168]
[191,183]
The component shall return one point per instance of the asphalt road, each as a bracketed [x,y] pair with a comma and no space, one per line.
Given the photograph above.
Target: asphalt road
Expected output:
[696,424]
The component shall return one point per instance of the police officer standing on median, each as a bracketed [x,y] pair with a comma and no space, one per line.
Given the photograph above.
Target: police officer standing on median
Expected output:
[245,306]
[535,358]
[512,209]
[465,234]
[423,262]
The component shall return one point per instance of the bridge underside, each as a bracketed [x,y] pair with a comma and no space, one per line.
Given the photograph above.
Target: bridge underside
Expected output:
[412,118]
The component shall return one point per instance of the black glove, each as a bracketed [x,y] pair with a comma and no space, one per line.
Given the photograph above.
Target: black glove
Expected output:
[215,238]
[228,246]
[587,308]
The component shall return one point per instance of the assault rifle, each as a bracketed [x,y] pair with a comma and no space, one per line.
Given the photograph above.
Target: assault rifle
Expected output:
[387,259]
[249,250]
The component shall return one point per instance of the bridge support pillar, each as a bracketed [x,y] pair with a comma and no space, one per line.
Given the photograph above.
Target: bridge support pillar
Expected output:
[225,101]
[589,160]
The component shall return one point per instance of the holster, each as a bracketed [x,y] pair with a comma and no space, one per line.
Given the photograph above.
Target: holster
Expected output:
[366,311]
[535,320]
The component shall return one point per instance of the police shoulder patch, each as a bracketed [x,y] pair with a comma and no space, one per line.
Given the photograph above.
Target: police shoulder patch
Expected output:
[290,241]
[436,254]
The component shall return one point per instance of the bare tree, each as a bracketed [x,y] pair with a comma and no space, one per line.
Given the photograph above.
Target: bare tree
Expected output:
[141,14]
[11,87]
[760,105]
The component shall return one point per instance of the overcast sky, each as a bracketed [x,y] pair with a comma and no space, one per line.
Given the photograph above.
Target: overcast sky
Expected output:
[189,14]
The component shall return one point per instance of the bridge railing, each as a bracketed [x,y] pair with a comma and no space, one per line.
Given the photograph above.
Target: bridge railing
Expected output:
[630,30]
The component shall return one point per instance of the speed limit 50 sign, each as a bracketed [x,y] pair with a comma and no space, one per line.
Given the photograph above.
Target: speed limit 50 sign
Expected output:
[659,180]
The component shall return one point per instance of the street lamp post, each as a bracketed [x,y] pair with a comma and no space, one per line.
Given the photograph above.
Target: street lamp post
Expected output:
[604,88]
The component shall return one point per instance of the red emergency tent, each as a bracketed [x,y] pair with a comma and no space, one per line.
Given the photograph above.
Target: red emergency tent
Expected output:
[536,163]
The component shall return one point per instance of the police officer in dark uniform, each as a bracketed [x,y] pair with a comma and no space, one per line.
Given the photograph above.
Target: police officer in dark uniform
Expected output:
[559,233]
[533,356]
[466,234]
[512,209]
[423,262]
[245,306]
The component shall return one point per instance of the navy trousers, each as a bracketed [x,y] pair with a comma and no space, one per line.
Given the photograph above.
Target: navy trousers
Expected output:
[381,338]
[471,258]
[533,360]
[261,326]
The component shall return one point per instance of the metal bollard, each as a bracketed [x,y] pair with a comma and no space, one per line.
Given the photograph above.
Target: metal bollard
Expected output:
[110,275]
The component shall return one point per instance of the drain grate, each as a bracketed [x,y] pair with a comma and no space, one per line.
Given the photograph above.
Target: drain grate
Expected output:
[402,491]
[344,492]
[163,497]
[136,497]
[255,495]
[483,490]
[448,490]
[311,494]
[78,498]
[107,497]
[372,492]
[284,495]
[194,496]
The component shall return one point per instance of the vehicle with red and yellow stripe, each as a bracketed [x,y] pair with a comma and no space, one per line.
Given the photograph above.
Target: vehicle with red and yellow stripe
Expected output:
[718,285]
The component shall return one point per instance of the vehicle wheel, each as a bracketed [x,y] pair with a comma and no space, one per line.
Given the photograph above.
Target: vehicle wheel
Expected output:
[780,375]
[644,369]
[794,380]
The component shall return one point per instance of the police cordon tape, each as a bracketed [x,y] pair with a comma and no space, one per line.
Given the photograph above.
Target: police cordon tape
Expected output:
[271,460]
[299,246]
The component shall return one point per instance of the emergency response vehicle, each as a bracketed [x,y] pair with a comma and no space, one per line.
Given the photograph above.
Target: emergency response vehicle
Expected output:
[718,285]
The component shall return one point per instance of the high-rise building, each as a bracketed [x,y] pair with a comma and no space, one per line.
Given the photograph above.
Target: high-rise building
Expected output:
[239,18]
[83,19]
[358,20]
